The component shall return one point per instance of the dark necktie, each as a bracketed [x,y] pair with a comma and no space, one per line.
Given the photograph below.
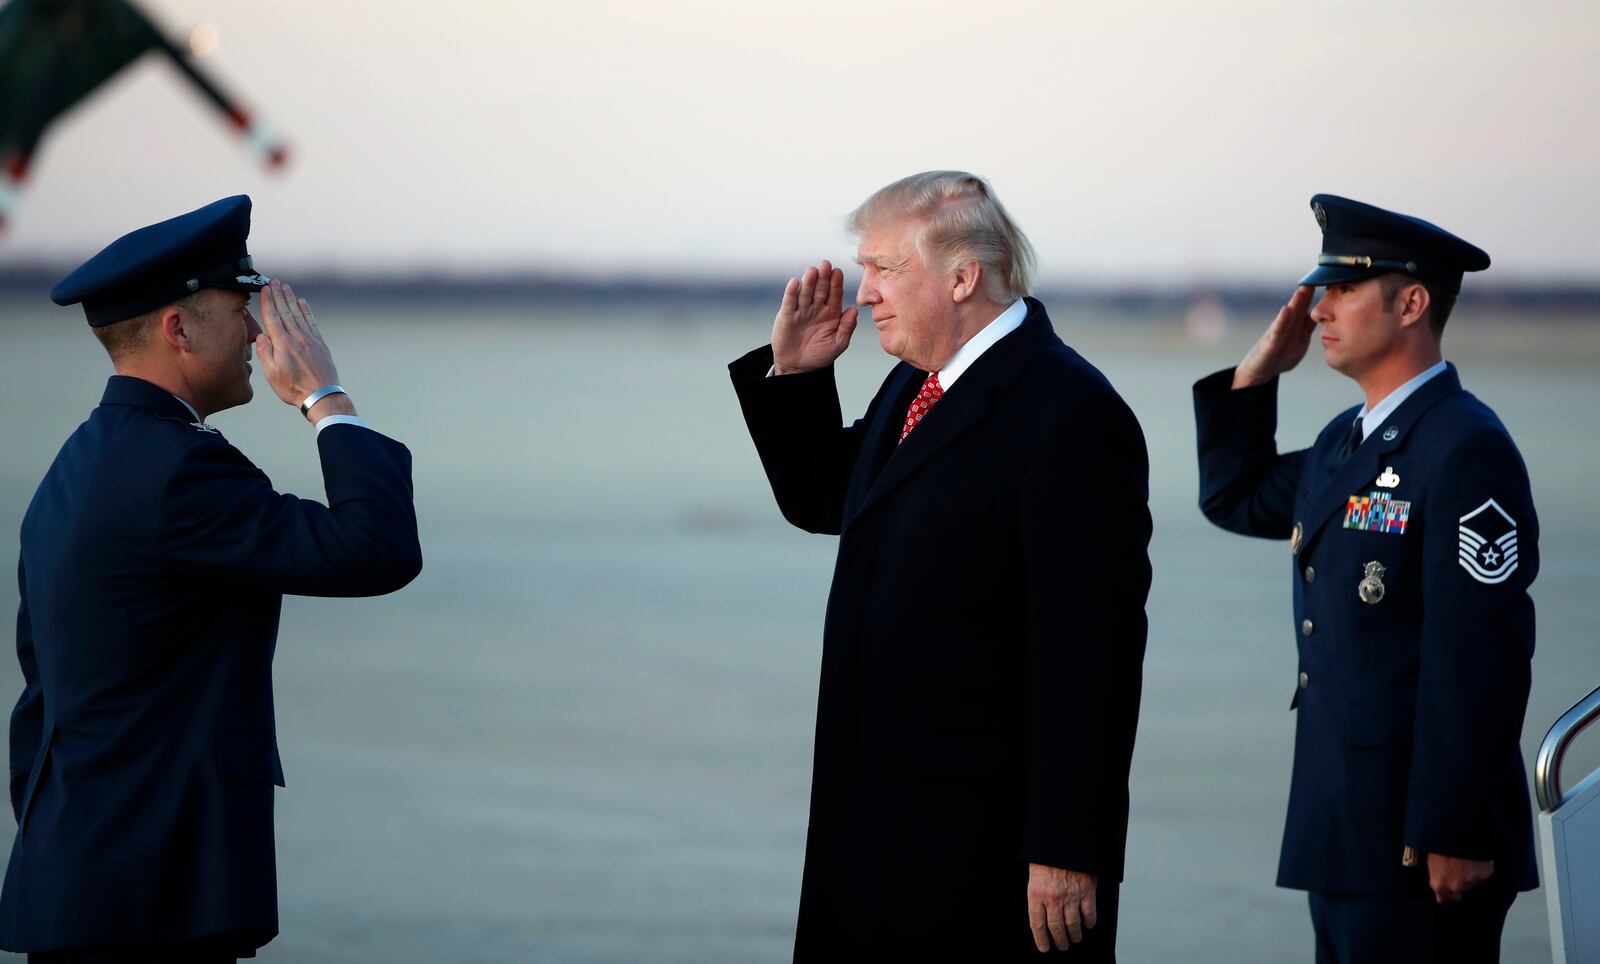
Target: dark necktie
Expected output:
[931,392]
[1353,442]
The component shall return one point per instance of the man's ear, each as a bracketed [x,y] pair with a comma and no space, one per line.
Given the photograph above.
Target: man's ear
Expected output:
[173,323]
[964,280]
[1413,304]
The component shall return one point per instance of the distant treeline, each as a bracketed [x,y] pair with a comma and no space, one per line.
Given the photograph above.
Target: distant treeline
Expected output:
[512,287]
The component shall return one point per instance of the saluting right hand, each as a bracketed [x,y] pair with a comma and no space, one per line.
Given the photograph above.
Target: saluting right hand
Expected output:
[811,331]
[1282,346]
[293,355]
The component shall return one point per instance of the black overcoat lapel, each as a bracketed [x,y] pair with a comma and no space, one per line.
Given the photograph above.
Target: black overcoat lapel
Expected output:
[883,435]
[962,407]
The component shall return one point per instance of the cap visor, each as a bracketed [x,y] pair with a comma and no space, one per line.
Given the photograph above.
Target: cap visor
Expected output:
[1332,274]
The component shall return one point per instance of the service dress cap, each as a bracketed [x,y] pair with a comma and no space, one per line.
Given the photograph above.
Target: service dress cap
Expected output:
[1360,241]
[159,264]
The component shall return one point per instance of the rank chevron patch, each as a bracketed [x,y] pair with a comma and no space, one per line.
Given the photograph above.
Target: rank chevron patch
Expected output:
[1488,547]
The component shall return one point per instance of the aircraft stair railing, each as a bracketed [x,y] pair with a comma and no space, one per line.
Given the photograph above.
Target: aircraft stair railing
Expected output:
[1569,840]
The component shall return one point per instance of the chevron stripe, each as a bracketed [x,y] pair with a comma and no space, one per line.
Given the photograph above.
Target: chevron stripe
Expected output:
[1491,576]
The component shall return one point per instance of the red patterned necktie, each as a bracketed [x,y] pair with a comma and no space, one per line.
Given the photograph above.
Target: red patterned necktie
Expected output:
[931,392]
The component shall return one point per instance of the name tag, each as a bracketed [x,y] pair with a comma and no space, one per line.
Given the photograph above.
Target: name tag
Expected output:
[1377,512]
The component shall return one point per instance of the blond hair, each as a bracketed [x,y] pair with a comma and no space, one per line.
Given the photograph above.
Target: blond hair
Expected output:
[962,221]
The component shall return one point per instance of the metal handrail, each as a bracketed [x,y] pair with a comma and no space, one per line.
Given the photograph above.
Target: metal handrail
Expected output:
[1547,767]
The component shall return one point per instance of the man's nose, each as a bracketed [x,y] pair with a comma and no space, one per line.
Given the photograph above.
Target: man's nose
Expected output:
[252,327]
[1319,311]
[866,293]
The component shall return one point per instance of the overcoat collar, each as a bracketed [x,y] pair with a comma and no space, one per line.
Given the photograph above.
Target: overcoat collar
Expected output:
[960,408]
[1367,460]
[138,393]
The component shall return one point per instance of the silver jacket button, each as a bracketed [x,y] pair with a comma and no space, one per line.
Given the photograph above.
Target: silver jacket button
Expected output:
[1305,680]
[1306,628]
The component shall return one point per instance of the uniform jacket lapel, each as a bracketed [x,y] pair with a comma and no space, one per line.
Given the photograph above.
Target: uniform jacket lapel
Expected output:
[1367,460]
[962,407]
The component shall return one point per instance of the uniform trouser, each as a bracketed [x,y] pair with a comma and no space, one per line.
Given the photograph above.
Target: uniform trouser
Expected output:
[1371,929]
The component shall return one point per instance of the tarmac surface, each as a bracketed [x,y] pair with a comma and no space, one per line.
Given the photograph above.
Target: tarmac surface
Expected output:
[584,733]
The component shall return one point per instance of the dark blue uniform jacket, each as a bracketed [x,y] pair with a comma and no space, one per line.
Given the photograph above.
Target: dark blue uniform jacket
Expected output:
[143,756]
[1411,703]
[983,645]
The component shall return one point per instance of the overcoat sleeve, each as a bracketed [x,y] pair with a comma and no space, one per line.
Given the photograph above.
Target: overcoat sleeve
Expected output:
[1246,486]
[1477,646]
[27,719]
[797,425]
[1086,535]
[219,516]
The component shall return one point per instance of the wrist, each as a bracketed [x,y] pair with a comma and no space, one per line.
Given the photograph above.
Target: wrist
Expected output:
[779,368]
[328,400]
[1245,378]
[332,405]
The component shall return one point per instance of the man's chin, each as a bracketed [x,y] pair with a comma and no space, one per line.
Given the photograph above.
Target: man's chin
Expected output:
[241,397]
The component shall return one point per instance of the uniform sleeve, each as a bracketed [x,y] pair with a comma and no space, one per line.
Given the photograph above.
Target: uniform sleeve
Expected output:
[1481,552]
[220,518]
[1245,485]
[796,423]
[27,718]
[1086,537]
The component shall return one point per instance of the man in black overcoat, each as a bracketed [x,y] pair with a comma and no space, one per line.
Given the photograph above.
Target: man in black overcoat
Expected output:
[1412,544]
[154,561]
[985,631]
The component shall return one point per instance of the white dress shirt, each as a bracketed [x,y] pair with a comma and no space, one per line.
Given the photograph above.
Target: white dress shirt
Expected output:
[327,420]
[1371,420]
[1004,324]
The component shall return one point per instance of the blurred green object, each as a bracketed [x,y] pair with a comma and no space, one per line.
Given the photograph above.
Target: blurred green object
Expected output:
[54,53]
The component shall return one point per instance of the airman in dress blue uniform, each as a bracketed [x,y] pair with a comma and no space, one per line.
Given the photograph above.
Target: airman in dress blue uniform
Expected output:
[154,560]
[1412,544]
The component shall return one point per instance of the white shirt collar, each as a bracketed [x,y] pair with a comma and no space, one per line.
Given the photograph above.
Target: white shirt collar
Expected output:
[1004,324]
[1371,421]
[185,404]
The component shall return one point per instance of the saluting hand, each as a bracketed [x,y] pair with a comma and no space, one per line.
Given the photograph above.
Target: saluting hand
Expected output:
[1061,905]
[1282,346]
[293,355]
[810,330]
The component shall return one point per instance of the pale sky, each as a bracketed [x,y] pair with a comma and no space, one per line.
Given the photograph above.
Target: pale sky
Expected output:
[1165,140]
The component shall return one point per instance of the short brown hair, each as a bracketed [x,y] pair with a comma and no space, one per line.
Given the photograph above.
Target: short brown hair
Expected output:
[1440,301]
[123,338]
